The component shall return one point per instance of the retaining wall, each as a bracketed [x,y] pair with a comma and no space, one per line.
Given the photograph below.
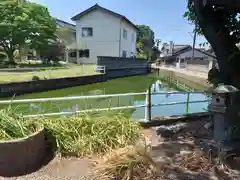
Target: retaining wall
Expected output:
[197,83]
[198,68]
[120,67]
[11,89]
[120,62]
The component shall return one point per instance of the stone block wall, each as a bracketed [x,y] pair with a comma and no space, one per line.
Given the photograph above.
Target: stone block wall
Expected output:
[121,62]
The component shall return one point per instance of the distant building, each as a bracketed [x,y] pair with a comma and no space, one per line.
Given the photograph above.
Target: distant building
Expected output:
[180,56]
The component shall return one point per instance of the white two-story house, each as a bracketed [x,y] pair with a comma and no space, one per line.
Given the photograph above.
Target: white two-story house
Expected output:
[101,32]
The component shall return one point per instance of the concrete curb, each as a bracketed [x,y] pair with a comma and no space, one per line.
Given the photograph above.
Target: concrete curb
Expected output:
[22,155]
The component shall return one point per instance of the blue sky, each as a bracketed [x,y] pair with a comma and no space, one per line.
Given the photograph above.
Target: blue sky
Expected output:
[165,17]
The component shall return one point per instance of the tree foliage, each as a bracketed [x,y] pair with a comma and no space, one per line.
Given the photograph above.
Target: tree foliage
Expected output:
[219,22]
[24,22]
[146,42]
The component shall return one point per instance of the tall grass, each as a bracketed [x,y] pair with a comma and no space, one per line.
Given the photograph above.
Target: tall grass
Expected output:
[88,134]
[77,135]
[13,125]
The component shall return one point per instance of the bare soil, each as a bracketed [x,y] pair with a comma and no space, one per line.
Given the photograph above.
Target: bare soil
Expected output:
[185,158]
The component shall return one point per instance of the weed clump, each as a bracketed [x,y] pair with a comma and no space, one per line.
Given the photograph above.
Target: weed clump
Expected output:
[14,126]
[84,134]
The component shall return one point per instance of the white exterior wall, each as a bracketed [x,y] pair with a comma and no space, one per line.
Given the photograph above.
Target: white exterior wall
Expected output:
[194,67]
[106,35]
[127,44]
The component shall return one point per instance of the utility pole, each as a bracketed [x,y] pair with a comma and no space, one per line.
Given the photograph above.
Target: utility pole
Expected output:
[194,44]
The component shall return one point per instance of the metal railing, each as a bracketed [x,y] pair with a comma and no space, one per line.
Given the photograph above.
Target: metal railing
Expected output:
[101,69]
[148,104]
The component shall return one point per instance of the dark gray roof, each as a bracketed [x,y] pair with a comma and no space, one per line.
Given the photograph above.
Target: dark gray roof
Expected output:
[66,24]
[95,7]
[178,49]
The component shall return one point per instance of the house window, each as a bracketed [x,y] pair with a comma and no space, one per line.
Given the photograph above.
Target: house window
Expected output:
[132,37]
[73,54]
[80,53]
[87,32]
[124,53]
[124,34]
[84,53]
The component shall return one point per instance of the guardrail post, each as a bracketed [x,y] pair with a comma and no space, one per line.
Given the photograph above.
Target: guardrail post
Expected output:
[187,103]
[148,105]
[104,69]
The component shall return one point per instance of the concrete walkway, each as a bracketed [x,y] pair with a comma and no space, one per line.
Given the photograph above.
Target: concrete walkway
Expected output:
[60,169]
[183,71]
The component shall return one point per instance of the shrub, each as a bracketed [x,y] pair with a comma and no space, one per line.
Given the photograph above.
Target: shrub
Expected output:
[14,126]
[2,56]
[87,134]
[35,78]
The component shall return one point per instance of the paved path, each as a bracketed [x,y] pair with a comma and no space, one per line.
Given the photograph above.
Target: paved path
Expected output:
[183,71]
[60,169]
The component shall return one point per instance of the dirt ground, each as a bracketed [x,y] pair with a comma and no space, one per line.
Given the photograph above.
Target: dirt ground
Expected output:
[187,156]
[181,155]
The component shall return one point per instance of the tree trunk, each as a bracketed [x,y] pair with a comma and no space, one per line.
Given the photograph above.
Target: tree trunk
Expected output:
[228,55]
[10,54]
[222,43]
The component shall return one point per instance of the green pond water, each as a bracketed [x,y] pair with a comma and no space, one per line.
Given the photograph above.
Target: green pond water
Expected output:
[116,86]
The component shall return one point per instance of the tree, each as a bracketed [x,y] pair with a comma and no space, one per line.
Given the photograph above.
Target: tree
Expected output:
[219,22]
[54,51]
[23,22]
[145,40]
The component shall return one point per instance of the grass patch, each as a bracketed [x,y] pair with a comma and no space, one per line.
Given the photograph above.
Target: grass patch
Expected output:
[14,126]
[72,71]
[85,134]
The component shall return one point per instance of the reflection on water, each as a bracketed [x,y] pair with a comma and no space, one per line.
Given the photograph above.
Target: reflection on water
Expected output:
[121,85]
[170,110]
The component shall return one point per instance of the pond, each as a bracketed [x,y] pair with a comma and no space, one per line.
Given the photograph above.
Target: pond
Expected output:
[116,86]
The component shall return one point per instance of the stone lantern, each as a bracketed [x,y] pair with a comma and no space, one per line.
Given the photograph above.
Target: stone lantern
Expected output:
[224,106]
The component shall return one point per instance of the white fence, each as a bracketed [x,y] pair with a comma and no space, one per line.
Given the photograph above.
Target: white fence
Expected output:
[148,104]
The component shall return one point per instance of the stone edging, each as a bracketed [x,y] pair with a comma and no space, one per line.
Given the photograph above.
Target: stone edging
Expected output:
[159,121]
